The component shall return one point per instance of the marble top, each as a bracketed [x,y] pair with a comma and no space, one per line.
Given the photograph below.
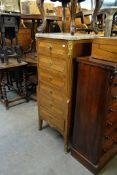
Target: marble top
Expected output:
[66,36]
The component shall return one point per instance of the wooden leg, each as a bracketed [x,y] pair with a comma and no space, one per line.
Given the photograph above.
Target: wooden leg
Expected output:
[108,24]
[73,11]
[4,92]
[40,124]
[66,139]
[1,96]
[25,86]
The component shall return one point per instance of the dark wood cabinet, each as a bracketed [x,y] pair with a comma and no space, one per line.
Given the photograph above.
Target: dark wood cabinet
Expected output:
[95,124]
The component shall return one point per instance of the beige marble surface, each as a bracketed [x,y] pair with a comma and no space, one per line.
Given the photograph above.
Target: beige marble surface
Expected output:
[66,36]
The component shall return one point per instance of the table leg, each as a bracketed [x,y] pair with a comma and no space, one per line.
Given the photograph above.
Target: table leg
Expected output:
[3,84]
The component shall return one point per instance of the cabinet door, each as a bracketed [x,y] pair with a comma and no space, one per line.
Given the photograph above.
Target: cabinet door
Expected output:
[92,87]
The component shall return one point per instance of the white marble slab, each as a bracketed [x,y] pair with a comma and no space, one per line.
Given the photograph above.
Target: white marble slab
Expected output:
[66,36]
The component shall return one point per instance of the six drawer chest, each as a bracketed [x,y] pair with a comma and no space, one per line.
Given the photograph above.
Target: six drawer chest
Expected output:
[55,71]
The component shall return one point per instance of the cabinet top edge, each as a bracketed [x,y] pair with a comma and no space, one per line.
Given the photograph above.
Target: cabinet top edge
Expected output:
[100,63]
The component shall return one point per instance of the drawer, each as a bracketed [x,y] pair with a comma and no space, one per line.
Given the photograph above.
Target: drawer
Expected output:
[53,78]
[52,106]
[53,63]
[50,92]
[54,121]
[110,127]
[113,104]
[53,48]
[111,117]
[107,144]
[115,80]
[9,21]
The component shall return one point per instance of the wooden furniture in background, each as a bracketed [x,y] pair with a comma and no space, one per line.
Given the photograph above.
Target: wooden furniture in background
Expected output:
[95,124]
[24,38]
[38,18]
[13,78]
[32,76]
[105,49]
[55,73]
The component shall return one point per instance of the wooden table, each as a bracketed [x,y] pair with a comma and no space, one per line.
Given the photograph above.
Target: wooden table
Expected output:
[38,18]
[7,81]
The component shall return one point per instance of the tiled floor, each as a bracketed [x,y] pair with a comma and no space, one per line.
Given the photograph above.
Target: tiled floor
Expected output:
[26,151]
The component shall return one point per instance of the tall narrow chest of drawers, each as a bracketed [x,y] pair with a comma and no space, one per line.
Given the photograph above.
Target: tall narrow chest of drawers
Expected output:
[95,125]
[55,79]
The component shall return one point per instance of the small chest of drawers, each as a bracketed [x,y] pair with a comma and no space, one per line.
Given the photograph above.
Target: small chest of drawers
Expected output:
[55,72]
[95,125]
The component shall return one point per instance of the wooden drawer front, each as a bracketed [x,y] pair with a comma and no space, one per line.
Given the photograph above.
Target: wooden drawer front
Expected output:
[107,144]
[53,63]
[55,48]
[111,117]
[52,93]
[111,122]
[113,104]
[52,78]
[110,128]
[52,106]
[115,80]
[110,137]
[53,120]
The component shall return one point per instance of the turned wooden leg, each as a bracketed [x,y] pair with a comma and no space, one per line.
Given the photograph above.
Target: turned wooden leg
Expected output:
[4,93]
[40,124]
[73,11]
[25,85]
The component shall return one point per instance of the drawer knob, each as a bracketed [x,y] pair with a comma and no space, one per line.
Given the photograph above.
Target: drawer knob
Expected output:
[50,47]
[115,72]
[114,97]
[107,137]
[111,110]
[109,124]
[115,84]
[115,142]
[51,92]
[50,78]
[51,105]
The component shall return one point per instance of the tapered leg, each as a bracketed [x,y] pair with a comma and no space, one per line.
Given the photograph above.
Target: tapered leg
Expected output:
[40,124]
